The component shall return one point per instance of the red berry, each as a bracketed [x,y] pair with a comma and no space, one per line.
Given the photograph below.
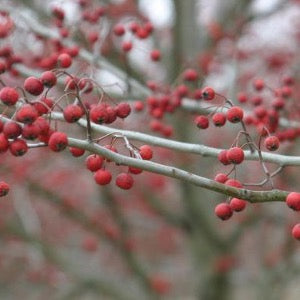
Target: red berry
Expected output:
[64,60]
[4,144]
[235,114]
[43,125]
[234,183]
[202,122]
[76,152]
[12,130]
[135,170]
[219,119]
[223,211]
[272,143]
[139,105]
[18,147]
[190,75]
[222,178]
[94,162]
[119,30]
[27,114]
[43,105]
[98,114]
[155,55]
[126,46]
[208,93]
[48,79]
[124,181]
[258,84]
[123,110]
[222,157]
[102,177]
[293,201]
[112,114]
[296,231]
[33,85]
[9,96]
[31,131]
[146,152]
[58,141]
[4,188]
[242,97]
[235,155]
[72,113]
[237,204]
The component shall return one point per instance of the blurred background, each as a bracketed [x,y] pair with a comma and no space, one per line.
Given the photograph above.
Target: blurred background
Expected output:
[64,237]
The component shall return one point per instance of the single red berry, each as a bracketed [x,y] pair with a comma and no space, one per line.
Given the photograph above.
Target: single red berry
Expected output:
[18,147]
[27,114]
[293,201]
[259,84]
[31,131]
[76,152]
[124,181]
[123,110]
[94,162]
[190,75]
[208,93]
[202,122]
[4,144]
[48,79]
[155,55]
[4,188]
[286,91]
[296,231]
[222,178]
[222,157]
[58,141]
[278,103]
[119,30]
[135,171]
[12,130]
[99,114]
[272,143]
[43,125]
[242,97]
[72,113]
[219,119]
[138,105]
[237,204]
[102,177]
[223,211]
[146,152]
[33,85]
[234,183]
[235,155]
[235,114]
[142,33]
[9,96]
[64,60]
[126,46]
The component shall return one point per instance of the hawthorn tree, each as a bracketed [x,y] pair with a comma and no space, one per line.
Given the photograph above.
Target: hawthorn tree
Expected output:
[149,161]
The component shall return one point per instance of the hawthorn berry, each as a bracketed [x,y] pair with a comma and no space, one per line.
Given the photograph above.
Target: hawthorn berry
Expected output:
[155,55]
[123,110]
[94,162]
[235,155]
[219,119]
[258,84]
[4,188]
[119,30]
[221,178]
[296,231]
[102,177]
[235,114]
[12,130]
[234,183]
[126,46]
[293,201]
[18,147]
[64,60]
[146,152]
[99,114]
[43,125]
[43,105]
[134,170]
[27,114]
[33,86]
[272,143]
[76,152]
[202,122]
[58,141]
[124,181]
[48,79]
[31,131]
[223,211]
[4,144]
[222,157]
[9,96]
[208,93]
[190,75]
[237,204]
[72,113]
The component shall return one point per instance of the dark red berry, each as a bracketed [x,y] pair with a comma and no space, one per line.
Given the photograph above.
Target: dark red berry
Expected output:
[296,231]
[76,152]
[146,152]
[235,114]
[208,93]
[102,177]
[33,85]
[223,211]
[123,110]
[48,79]
[219,119]
[9,96]
[58,141]
[99,114]
[235,155]
[237,204]
[272,143]
[12,130]
[64,60]
[27,114]
[124,181]
[202,122]
[72,113]
[18,147]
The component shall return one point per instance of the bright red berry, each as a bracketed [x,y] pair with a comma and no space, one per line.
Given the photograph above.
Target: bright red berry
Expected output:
[296,231]
[155,55]
[58,141]
[4,144]
[119,30]
[208,93]
[102,177]
[64,60]
[219,119]
[222,157]
[48,79]
[235,114]
[18,147]
[235,155]
[134,170]
[99,114]
[237,204]
[221,178]
[259,84]
[27,114]
[202,122]
[223,211]
[12,130]
[146,152]
[72,113]
[33,85]
[31,131]
[123,110]
[293,201]
[124,181]
[76,152]
[272,143]
[9,96]
[4,188]
[94,162]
